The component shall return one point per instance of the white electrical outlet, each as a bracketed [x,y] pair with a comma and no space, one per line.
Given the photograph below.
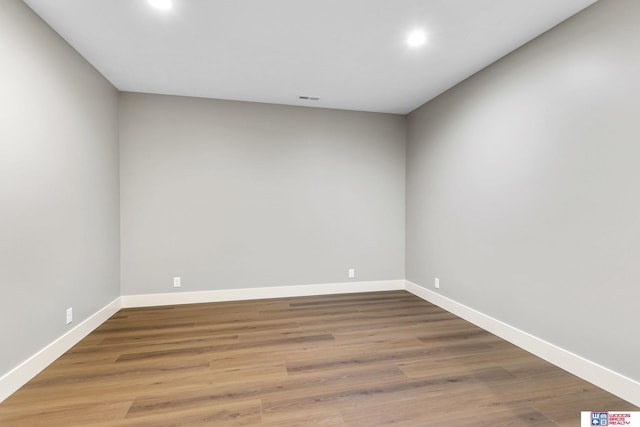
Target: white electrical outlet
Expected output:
[69,315]
[436,282]
[352,273]
[176,282]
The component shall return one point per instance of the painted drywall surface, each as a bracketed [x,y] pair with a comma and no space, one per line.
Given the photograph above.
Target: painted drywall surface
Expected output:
[232,195]
[59,232]
[522,188]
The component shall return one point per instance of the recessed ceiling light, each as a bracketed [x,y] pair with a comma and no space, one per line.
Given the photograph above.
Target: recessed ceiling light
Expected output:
[416,38]
[161,4]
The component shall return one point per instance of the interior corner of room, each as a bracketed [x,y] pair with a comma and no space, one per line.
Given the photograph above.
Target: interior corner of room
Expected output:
[516,189]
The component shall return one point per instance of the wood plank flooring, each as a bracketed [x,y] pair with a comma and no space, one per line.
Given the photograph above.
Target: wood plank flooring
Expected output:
[370,359]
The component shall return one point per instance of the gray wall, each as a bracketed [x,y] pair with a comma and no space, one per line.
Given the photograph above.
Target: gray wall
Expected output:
[59,239]
[233,194]
[523,188]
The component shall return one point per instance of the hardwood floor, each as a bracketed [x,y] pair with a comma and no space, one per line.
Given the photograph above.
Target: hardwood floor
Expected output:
[370,359]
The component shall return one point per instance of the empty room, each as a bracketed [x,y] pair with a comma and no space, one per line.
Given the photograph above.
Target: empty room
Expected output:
[337,213]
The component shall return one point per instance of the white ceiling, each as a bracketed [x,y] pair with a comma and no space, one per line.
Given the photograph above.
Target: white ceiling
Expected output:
[352,54]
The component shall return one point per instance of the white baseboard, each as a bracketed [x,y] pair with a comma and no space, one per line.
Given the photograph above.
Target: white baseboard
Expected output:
[626,388]
[148,300]
[21,374]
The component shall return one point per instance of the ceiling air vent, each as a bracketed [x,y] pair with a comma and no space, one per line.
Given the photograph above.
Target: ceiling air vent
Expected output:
[309,98]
